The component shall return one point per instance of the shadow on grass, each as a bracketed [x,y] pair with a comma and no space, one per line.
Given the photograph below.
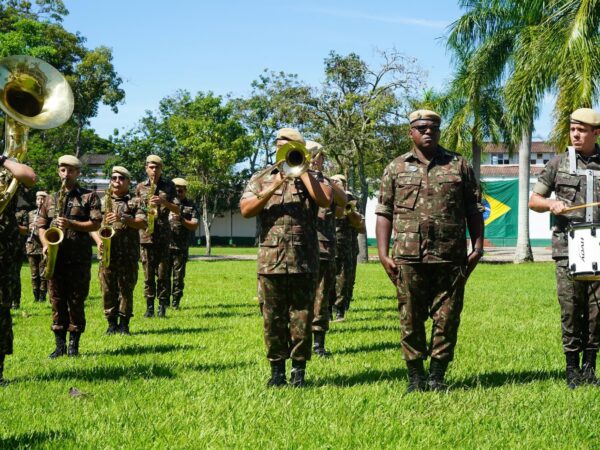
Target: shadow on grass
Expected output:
[223,314]
[220,306]
[498,379]
[177,330]
[372,318]
[215,367]
[362,329]
[367,377]
[33,439]
[377,347]
[145,349]
[105,373]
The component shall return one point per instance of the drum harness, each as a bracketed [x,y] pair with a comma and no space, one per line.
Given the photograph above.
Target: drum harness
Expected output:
[589,178]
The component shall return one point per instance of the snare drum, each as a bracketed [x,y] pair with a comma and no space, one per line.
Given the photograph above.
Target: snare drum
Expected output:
[584,251]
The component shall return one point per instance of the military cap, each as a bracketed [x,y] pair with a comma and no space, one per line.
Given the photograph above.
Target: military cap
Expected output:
[424,114]
[155,159]
[587,116]
[41,194]
[69,160]
[339,177]
[314,147]
[179,182]
[290,134]
[122,170]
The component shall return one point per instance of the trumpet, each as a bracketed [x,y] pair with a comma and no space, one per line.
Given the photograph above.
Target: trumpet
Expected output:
[106,231]
[54,235]
[292,159]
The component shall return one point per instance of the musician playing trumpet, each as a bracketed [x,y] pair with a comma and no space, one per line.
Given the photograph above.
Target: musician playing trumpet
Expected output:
[119,276]
[76,211]
[568,175]
[286,203]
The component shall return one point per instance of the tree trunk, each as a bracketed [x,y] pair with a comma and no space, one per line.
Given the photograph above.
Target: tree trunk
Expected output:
[363,247]
[206,223]
[78,139]
[523,251]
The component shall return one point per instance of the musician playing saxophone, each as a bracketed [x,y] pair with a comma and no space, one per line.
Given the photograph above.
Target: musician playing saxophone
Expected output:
[77,215]
[33,247]
[10,260]
[117,281]
[155,245]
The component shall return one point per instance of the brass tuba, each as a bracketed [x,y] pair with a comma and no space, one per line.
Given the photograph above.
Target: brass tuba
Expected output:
[33,94]
[106,231]
[54,235]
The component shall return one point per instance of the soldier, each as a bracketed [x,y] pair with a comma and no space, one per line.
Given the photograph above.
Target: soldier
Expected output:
[21,216]
[80,214]
[155,245]
[326,237]
[428,194]
[288,258]
[33,247]
[567,175]
[9,253]
[183,227]
[117,281]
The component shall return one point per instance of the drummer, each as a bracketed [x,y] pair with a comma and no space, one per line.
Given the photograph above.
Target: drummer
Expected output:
[567,175]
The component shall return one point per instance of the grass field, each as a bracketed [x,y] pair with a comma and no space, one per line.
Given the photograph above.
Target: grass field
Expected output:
[197,378]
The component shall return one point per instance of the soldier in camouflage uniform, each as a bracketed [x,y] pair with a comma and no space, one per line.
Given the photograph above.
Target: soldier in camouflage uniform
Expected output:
[117,281]
[288,258]
[155,246]
[33,247]
[326,237]
[578,299]
[21,216]
[70,283]
[9,253]
[428,194]
[183,227]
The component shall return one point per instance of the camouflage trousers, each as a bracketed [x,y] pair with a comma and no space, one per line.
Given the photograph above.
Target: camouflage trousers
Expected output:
[430,290]
[157,281]
[36,267]
[324,287]
[68,289]
[10,282]
[178,263]
[351,279]
[6,332]
[287,313]
[579,305]
[117,282]
[343,276]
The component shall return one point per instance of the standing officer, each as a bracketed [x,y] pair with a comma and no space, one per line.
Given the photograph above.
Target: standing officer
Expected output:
[567,175]
[428,194]
[326,237]
[33,247]
[70,283]
[117,281]
[155,246]
[288,257]
[183,227]
[10,253]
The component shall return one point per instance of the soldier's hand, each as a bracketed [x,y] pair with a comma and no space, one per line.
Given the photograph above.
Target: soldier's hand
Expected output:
[100,249]
[472,261]
[156,200]
[63,223]
[45,250]
[390,268]
[111,217]
[557,207]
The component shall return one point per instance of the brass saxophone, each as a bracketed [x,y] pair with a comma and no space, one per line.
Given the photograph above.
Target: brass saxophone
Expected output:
[152,211]
[106,231]
[54,235]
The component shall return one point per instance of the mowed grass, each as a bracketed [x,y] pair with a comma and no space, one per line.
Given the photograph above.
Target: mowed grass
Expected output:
[197,378]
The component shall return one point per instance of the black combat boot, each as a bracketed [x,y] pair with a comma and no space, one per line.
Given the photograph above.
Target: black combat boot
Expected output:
[319,345]
[36,295]
[60,336]
[573,372]
[588,371]
[113,326]
[2,380]
[74,337]
[416,376]
[124,325]
[339,314]
[277,374]
[15,305]
[149,307]
[298,372]
[437,370]
[162,311]
[42,296]
[176,301]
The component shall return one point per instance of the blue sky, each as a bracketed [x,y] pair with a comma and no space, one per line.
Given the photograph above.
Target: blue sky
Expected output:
[222,46]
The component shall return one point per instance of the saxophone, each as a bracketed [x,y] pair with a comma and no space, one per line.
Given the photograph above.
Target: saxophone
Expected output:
[152,211]
[54,235]
[106,231]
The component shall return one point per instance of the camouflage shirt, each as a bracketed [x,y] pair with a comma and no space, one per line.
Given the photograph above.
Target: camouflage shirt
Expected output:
[428,204]
[326,230]
[162,231]
[125,244]
[288,241]
[9,245]
[33,246]
[180,235]
[81,205]
[570,189]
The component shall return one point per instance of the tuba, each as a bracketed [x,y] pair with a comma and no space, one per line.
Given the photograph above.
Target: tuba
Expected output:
[54,235]
[33,94]
[106,231]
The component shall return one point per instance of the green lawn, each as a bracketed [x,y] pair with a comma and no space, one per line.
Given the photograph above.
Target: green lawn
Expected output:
[200,251]
[197,378]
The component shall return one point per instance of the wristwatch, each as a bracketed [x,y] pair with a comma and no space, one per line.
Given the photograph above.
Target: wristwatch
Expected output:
[479,251]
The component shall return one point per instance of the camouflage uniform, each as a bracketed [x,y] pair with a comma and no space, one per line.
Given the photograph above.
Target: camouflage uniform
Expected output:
[578,299]
[344,252]
[428,205]
[33,247]
[70,284]
[155,246]
[117,281]
[21,221]
[288,261]
[180,244]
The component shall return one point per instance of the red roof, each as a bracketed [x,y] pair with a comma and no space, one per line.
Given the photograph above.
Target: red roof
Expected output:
[507,170]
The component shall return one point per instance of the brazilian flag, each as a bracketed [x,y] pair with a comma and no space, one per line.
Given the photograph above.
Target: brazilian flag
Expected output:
[500,200]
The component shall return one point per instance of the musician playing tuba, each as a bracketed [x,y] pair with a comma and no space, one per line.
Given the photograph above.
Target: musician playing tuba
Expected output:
[117,279]
[78,214]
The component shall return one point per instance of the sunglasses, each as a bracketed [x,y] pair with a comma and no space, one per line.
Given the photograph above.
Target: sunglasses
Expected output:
[117,177]
[423,128]
[180,189]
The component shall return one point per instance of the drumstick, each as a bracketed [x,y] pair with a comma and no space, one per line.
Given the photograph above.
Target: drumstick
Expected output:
[573,208]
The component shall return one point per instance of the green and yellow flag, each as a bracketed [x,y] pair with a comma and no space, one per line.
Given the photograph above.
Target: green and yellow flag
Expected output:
[500,199]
